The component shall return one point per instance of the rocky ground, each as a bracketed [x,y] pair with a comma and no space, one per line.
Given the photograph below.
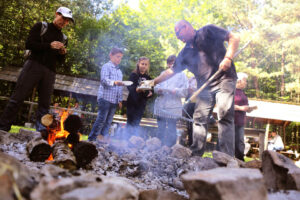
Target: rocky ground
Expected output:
[139,169]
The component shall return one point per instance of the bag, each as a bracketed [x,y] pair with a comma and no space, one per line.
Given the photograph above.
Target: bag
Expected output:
[44,28]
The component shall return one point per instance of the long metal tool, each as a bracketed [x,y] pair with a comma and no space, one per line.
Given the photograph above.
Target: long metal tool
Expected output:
[197,92]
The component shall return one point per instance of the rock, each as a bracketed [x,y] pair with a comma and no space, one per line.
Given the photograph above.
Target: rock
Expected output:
[51,188]
[253,164]
[225,184]
[179,151]
[159,195]
[233,164]
[13,172]
[280,172]
[136,142]
[111,188]
[223,159]
[153,144]
[287,194]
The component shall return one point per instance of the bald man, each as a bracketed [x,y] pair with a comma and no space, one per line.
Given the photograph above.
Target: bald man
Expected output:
[203,54]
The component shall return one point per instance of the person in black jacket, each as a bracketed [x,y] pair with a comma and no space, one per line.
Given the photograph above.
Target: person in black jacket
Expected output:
[137,98]
[47,50]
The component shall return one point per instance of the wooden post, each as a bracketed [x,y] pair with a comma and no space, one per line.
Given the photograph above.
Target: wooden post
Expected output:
[284,135]
[263,140]
[31,105]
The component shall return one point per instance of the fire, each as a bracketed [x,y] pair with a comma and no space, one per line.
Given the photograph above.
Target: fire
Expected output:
[57,134]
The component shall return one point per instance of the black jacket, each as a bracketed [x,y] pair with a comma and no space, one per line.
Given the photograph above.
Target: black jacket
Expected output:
[41,50]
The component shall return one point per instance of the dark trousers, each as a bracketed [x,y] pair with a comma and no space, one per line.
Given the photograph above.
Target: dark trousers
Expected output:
[33,74]
[221,95]
[188,113]
[167,130]
[239,142]
[134,116]
[106,111]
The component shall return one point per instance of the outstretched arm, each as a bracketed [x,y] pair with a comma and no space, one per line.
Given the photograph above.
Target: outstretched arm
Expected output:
[168,73]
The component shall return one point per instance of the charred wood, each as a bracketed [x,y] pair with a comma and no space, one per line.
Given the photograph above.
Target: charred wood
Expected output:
[38,149]
[84,152]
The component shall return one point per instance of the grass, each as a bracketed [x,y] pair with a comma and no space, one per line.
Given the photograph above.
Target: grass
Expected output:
[15,129]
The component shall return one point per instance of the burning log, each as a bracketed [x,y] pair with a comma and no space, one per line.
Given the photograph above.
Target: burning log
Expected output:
[63,156]
[38,149]
[84,152]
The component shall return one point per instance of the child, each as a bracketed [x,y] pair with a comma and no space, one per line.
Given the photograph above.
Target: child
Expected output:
[109,94]
[137,98]
[168,106]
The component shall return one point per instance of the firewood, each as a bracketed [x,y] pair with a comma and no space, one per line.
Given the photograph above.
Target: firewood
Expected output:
[72,124]
[38,149]
[47,120]
[63,156]
[84,152]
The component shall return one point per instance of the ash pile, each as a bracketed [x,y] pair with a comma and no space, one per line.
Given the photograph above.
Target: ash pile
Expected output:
[143,169]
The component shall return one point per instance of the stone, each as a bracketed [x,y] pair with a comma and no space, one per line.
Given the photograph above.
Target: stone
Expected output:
[287,195]
[280,172]
[14,172]
[111,188]
[225,184]
[159,195]
[181,152]
[136,142]
[153,144]
[253,164]
[223,159]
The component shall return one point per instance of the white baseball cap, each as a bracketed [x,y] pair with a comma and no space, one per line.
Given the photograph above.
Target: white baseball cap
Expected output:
[66,12]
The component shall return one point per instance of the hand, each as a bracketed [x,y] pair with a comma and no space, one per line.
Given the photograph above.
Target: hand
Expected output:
[118,83]
[150,94]
[225,64]
[138,90]
[62,51]
[56,45]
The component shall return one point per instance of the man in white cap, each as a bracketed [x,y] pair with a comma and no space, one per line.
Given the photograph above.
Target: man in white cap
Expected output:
[47,46]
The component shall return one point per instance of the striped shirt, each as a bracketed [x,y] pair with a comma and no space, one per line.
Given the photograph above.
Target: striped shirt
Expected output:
[107,90]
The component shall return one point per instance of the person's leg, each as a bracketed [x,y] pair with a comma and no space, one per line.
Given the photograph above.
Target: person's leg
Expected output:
[161,123]
[103,108]
[203,109]
[171,134]
[225,109]
[239,142]
[189,111]
[109,119]
[45,90]
[130,119]
[28,78]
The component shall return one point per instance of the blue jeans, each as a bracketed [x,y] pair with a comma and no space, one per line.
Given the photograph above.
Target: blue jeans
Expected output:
[221,95]
[239,142]
[167,130]
[106,111]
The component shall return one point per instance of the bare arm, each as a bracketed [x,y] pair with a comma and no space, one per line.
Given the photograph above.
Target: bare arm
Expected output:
[233,44]
[168,73]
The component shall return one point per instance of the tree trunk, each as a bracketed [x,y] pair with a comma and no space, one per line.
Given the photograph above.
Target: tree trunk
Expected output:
[282,86]
[255,79]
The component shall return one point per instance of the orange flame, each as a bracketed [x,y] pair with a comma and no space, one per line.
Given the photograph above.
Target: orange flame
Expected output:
[57,134]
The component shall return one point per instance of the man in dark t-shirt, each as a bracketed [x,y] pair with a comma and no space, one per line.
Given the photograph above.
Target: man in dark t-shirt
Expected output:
[203,54]
[47,50]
